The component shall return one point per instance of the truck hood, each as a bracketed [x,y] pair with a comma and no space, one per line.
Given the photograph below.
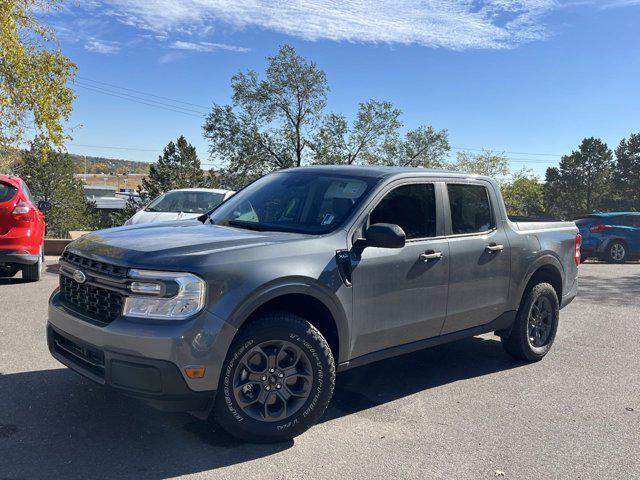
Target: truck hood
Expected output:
[162,244]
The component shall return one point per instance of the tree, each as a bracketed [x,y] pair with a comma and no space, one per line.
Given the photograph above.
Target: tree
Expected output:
[582,183]
[177,167]
[524,195]
[267,126]
[131,207]
[420,147]
[375,125]
[34,76]
[627,172]
[49,175]
[279,122]
[484,163]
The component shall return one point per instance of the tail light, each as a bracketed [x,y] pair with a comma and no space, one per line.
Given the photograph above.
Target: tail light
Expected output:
[576,249]
[22,211]
[599,228]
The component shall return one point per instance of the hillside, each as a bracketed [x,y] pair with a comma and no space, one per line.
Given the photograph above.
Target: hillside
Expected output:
[107,165]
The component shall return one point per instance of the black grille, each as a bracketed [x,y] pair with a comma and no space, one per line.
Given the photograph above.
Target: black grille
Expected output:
[100,303]
[94,265]
[88,358]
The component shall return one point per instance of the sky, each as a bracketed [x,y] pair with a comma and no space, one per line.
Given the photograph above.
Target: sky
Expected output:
[527,78]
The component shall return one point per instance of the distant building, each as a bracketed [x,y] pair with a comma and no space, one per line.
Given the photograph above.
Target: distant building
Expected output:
[107,199]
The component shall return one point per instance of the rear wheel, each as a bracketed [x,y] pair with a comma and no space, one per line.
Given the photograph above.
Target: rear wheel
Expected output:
[617,252]
[33,272]
[277,379]
[534,329]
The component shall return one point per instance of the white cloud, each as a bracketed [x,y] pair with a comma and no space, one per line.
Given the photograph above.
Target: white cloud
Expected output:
[206,46]
[454,24]
[101,46]
[620,3]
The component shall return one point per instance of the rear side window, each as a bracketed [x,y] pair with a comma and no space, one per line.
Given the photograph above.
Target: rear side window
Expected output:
[412,207]
[7,192]
[470,209]
[27,192]
[585,221]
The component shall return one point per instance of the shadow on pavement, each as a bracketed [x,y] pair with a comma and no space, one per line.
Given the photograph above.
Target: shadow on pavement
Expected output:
[612,289]
[55,424]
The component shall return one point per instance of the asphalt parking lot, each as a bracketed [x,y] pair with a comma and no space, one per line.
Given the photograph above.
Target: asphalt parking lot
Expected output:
[464,410]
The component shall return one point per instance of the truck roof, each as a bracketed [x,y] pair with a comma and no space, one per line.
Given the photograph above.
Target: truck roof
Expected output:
[383,171]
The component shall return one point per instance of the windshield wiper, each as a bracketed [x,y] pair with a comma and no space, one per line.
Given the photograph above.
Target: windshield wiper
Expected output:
[247,225]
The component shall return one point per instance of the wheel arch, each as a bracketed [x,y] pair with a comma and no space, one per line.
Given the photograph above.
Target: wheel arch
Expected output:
[606,244]
[305,299]
[547,269]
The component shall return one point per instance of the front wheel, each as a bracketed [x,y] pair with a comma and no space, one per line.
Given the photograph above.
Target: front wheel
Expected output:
[534,329]
[277,379]
[617,252]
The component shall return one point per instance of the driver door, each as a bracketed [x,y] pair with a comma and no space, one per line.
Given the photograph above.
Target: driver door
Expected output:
[400,295]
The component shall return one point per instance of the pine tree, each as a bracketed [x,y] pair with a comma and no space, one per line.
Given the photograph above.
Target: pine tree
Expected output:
[177,167]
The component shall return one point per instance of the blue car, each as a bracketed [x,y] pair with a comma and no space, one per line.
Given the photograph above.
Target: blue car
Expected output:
[614,237]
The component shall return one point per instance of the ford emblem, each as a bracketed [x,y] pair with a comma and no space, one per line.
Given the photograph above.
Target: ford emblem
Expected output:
[79,276]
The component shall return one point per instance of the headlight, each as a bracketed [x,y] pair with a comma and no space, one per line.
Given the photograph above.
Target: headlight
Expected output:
[166,295]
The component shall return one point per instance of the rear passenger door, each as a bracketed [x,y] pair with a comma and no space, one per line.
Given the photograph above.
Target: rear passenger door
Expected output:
[479,256]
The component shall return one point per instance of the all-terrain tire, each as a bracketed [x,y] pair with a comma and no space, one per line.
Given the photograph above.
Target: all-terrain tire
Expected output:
[298,334]
[519,343]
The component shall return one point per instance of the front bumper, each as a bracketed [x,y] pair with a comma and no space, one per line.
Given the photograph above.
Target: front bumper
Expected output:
[156,382]
[140,358]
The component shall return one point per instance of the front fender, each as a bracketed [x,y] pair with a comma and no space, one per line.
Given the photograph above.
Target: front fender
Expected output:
[295,285]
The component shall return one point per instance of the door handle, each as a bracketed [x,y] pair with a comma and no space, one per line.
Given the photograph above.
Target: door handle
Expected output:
[430,255]
[493,248]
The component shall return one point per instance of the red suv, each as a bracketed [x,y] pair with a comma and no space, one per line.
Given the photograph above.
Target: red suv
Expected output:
[22,229]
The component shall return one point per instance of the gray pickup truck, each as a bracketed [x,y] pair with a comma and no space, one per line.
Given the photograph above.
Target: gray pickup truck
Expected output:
[248,312]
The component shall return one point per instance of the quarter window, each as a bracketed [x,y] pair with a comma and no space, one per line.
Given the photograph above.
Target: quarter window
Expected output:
[470,209]
[412,207]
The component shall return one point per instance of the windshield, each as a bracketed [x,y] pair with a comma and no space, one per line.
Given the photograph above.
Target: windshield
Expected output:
[186,202]
[305,202]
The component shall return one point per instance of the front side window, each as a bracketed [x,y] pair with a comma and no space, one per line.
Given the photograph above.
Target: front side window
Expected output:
[185,202]
[412,207]
[304,202]
[627,220]
[470,209]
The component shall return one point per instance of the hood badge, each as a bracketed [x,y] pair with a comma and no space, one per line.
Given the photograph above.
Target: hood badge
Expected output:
[79,276]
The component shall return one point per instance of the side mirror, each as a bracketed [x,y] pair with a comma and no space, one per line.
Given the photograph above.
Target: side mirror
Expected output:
[44,206]
[383,235]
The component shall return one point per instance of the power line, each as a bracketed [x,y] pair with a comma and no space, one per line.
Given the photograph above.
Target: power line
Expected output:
[131,98]
[142,92]
[505,151]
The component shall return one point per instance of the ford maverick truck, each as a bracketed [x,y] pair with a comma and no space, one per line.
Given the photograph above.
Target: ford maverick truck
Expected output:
[246,313]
